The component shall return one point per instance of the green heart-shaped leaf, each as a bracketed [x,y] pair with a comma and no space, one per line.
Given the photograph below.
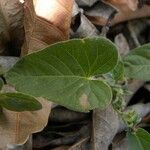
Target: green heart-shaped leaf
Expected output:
[19,102]
[137,63]
[140,140]
[63,73]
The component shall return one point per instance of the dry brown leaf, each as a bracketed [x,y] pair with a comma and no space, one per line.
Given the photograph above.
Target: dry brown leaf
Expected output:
[15,127]
[105,127]
[129,15]
[81,26]
[11,27]
[127,10]
[50,26]
[100,13]
[123,5]
[58,12]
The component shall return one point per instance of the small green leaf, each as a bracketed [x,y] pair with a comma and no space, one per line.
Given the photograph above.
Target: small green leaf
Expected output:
[131,118]
[19,102]
[137,63]
[140,140]
[118,72]
[63,73]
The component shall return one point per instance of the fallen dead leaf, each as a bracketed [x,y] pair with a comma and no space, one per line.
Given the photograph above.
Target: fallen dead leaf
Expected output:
[123,5]
[11,27]
[129,15]
[57,12]
[46,23]
[100,13]
[81,26]
[15,127]
[105,127]
[126,10]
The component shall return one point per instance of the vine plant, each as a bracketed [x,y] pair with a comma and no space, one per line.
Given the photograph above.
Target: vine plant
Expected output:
[80,74]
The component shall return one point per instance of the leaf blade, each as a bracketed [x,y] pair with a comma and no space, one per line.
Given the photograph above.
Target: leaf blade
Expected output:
[140,140]
[19,102]
[118,71]
[62,73]
[137,63]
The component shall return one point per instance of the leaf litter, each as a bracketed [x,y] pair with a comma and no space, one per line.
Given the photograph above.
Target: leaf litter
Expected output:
[88,20]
